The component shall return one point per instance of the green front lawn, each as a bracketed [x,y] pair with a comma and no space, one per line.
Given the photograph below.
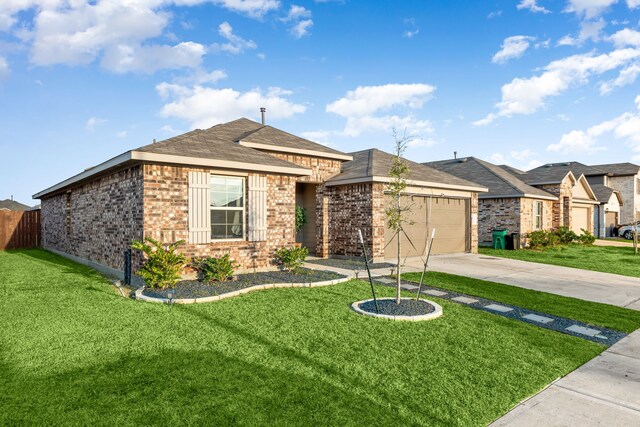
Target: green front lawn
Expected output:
[74,352]
[610,316]
[607,259]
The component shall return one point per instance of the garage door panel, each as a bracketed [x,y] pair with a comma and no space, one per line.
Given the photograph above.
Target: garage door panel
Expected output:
[580,218]
[448,216]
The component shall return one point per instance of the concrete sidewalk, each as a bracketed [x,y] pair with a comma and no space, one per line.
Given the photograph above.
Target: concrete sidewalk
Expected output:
[588,285]
[603,392]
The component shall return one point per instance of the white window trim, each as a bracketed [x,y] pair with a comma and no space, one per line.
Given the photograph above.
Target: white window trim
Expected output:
[540,215]
[244,210]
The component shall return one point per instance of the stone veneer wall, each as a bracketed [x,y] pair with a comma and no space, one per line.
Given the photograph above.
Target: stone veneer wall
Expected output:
[562,207]
[106,215]
[629,188]
[166,216]
[527,215]
[497,213]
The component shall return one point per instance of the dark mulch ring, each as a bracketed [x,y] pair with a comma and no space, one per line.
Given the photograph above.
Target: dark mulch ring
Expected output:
[197,289]
[407,307]
[349,264]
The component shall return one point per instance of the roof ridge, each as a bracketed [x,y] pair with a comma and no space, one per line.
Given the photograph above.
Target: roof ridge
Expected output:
[485,165]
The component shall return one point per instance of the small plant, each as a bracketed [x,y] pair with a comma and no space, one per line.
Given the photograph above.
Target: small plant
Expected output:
[543,239]
[290,259]
[586,238]
[163,266]
[566,235]
[213,269]
[301,217]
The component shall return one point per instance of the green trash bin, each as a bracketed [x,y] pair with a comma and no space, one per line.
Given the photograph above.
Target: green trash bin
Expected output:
[499,238]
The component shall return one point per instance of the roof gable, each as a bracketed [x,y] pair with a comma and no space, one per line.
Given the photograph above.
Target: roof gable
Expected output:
[498,179]
[12,205]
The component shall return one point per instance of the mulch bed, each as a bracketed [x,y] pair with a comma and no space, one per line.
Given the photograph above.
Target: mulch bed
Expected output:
[407,307]
[349,264]
[197,289]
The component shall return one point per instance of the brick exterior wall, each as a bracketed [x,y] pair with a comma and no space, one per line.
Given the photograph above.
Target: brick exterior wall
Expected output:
[527,215]
[629,188]
[515,214]
[105,216]
[166,216]
[562,206]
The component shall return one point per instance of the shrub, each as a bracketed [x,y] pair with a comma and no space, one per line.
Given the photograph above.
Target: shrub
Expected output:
[538,239]
[290,259]
[215,269]
[163,266]
[566,235]
[301,217]
[586,238]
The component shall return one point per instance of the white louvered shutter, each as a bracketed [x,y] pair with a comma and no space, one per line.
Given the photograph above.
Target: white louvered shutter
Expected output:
[257,206]
[199,208]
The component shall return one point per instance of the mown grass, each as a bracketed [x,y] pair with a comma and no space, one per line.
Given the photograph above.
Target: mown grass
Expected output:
[74,352]
[607,259]
[610,316]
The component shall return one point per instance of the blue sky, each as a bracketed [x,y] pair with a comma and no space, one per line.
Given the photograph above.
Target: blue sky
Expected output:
[520,82]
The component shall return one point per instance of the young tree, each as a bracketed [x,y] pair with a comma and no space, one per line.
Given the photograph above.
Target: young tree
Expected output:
[397,212]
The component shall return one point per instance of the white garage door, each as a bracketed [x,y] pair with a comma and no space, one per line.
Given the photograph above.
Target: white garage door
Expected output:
[580,218]
[448,216]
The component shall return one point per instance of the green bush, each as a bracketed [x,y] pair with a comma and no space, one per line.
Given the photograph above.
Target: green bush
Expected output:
[163,266]
[301,217]
[586,238]
[290,259]
[215,269]
[538,239]
[566,235]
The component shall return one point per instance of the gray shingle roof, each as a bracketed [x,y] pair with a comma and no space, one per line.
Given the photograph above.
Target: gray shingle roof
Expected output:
[12,205]
[555,172]
[603,193]
[267,135]
[500,182]
[619,169]
[376,163]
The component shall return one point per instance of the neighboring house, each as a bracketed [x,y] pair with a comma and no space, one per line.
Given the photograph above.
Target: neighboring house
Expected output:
[437,200]
[231,189]
[625,178]
[602,215]
[510,202]
[12,205]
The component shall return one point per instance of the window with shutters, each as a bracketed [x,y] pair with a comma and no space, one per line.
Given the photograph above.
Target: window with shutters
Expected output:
[538,215]
[227,207]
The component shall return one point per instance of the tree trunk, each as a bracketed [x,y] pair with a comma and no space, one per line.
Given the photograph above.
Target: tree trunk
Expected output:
[398,273]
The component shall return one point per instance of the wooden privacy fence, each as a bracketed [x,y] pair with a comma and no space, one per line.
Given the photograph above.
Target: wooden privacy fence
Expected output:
[19,229]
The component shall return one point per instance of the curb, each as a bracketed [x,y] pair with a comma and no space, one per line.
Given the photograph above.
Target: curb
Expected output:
[429,316]
[142,297]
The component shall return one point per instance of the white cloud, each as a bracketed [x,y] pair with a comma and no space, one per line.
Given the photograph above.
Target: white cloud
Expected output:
[93,122]
[589,8]
[568,40]
[168,129]
[632,4]
[625,127]
[627,76]
[526,96]
[4,68]
[370,99]
[205,106]
[121,134]
[253,8]
[358,125]
[296,13]
[521,155]
[589,30]
[516,159]
[626,37]
[413,30]
[149,59]
[235,44]
[494,14]
[532,6]
[512,47]
[261,56]
[301,29]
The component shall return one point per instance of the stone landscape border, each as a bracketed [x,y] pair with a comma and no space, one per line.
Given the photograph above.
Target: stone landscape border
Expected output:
[437,312]
[139,295]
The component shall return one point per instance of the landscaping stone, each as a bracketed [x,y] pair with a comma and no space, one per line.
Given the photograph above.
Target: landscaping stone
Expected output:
[188,289]
[434,292]
[498,307]
[584,331]
[407,307]
[465,300]
[409,287]
[539,319]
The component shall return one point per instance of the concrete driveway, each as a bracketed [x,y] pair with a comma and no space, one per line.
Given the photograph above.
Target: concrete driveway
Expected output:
[588,285]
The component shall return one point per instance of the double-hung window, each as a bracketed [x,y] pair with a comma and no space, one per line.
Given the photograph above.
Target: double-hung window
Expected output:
[537,215]
[227,207]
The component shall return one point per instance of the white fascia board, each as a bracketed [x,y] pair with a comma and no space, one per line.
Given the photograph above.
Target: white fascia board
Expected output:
[517,196]
[141,156]
[586,202]
[387,180]
[217,163]
[116,161]
[299,151]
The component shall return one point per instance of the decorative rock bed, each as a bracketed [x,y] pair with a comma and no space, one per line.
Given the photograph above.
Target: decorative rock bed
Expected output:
[408,309]
[194,291]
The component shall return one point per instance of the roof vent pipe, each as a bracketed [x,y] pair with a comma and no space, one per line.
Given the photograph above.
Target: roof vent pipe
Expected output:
[455,154]
[262,111]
